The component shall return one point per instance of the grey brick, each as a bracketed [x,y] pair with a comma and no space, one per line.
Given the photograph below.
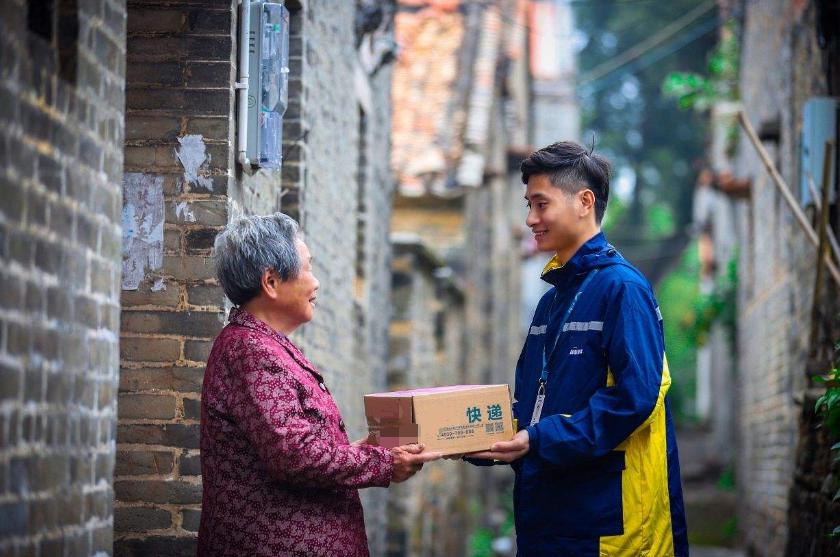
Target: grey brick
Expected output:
[138,462]
[205,295]
[197,350]
[140,519]
[50,173]
[190,519]
[161,407]
[12,202]
[183,379]
[192,409]
[141,349]
[157,491]
[16,518]
[190,465]
[187,323]
[171,435]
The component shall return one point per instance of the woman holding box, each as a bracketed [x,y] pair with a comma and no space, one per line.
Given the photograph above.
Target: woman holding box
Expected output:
[279,474]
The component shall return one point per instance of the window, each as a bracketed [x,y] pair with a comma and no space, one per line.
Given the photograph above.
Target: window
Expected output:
[56,24]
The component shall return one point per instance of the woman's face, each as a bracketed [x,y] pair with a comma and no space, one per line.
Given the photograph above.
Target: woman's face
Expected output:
[298,294]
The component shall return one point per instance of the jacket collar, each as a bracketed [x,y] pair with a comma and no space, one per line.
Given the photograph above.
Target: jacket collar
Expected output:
[591,254]
[243,318]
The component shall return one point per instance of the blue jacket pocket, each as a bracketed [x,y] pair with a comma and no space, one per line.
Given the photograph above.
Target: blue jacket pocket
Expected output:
[581,502]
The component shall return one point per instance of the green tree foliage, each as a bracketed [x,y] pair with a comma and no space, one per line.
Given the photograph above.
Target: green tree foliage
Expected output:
[720,82]
[653,142]
[677,294]
[635,124]
[828,408]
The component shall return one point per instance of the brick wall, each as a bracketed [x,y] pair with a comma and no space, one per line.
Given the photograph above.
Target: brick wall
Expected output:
[337,182]
[178,160]
[180,172]
[61,132]
[776,265]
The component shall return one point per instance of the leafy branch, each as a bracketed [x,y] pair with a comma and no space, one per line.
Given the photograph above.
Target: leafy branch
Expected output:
[828,408]
[700,92]
[717,306]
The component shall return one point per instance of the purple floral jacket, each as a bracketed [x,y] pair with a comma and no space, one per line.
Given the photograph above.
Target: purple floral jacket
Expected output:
[279,474]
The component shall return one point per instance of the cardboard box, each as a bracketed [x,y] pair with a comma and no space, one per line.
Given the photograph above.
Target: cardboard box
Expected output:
[456,419]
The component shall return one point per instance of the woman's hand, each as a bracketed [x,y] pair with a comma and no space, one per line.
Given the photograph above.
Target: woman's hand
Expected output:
[408,460]
[364,441]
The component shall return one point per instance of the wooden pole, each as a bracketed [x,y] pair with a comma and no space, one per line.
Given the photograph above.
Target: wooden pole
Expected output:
[832,239]
[822,250]
[785,191]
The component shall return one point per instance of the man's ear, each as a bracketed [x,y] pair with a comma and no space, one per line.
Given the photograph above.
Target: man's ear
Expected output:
[270,284]
[587,202]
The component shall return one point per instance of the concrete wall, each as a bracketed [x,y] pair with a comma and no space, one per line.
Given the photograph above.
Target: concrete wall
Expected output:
[61,133]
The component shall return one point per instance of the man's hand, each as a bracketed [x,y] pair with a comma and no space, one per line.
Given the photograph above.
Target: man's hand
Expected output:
[506,451]
[408,460]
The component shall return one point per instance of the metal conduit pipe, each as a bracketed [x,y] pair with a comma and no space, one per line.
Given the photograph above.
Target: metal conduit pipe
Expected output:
[242,84]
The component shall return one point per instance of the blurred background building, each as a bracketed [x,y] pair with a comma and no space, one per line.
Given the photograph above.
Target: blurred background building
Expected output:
[461,94]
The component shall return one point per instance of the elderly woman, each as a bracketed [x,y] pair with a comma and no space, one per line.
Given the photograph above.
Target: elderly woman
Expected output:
[279,474]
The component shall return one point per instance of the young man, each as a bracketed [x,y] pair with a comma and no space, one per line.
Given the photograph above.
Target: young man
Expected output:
[595,458]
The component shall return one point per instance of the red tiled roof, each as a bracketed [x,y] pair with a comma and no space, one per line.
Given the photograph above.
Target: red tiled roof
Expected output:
[443,93]
[424,76]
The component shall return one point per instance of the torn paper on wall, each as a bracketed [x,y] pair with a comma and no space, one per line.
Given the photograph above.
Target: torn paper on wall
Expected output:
[142,224]
[192,154]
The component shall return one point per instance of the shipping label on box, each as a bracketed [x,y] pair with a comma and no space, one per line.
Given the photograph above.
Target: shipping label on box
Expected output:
[451,420]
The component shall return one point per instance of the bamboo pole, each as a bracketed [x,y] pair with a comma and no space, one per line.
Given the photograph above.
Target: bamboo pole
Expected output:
[832,239]
[822,249]
[785,191]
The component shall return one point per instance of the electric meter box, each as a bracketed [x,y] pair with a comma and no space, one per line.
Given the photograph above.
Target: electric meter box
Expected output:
[819,124]
[268,82]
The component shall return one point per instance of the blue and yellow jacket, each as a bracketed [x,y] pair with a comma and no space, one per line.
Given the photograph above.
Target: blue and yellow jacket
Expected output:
[602,475]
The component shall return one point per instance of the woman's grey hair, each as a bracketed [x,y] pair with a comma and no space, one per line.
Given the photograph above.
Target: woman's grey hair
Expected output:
[250,245]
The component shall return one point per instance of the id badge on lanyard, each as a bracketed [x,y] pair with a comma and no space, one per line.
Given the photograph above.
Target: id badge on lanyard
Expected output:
[546,355]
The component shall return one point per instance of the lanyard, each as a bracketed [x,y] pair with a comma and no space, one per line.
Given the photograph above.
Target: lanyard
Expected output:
[546,355]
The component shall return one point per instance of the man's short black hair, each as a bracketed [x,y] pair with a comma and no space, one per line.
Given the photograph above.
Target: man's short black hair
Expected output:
[572,167]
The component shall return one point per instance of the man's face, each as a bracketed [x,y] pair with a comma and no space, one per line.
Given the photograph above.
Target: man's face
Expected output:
[554,216]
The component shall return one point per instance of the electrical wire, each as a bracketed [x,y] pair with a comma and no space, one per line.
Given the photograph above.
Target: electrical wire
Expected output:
[646,45]
[699,31]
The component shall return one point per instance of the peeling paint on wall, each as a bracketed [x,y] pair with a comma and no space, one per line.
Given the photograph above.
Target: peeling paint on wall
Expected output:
[159,285]
[142,223]
[192,154]
[183,212]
